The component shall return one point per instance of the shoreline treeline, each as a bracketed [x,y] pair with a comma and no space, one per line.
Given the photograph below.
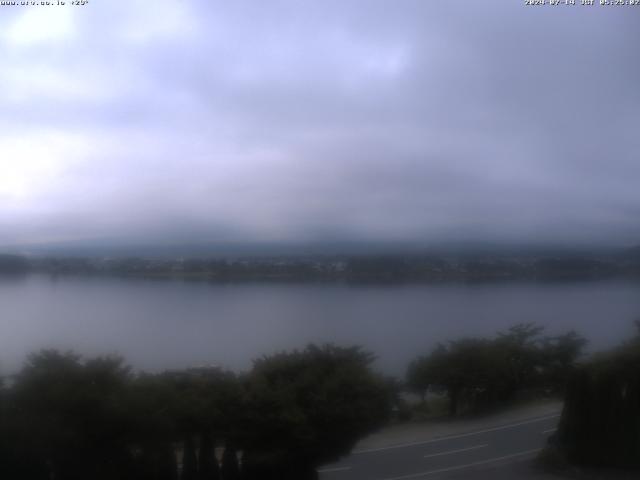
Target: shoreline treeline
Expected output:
[388,268]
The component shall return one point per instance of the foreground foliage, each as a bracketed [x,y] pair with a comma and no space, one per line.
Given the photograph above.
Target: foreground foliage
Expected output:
[65,418]
[477,373]
[600,424]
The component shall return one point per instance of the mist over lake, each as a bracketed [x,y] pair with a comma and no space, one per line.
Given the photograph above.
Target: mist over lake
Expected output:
[166,324]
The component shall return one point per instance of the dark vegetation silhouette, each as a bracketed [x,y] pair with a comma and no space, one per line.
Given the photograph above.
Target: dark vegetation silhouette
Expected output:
[67,419]
[600,424]
[308,408]
[477,374]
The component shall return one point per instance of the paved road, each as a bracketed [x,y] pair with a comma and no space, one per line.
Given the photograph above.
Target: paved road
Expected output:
[449,456]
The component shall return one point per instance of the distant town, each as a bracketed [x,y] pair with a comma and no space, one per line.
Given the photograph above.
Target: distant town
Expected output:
[349,268]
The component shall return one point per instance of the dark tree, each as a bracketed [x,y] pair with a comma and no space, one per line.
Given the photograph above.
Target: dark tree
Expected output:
[189,460]
[230,468]
[477,374]
[72,415]
[309,407]
[208,468]
[419,377]
[600,424]
[560,355]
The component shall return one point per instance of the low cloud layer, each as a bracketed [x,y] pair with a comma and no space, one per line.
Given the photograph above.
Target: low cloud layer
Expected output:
[288,121]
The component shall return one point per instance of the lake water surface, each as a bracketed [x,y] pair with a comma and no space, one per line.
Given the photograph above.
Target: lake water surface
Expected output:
[158,324]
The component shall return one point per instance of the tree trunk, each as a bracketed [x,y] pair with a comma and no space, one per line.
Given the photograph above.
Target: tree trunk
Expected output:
[189,460]
[454,395]
[230,469]
[167,464]
[208,468]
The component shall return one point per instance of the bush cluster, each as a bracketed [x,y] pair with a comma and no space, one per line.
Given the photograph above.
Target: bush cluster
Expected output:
[66,418]
[477,374]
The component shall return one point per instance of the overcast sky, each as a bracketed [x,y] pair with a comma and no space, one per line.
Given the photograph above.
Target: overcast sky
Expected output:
[298,121]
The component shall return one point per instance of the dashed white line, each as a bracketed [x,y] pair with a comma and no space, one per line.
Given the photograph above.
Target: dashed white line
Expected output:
[551,430]
[453,437]
[461,467]
[451,452]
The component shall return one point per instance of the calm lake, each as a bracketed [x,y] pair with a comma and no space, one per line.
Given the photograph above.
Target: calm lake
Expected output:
[159,324]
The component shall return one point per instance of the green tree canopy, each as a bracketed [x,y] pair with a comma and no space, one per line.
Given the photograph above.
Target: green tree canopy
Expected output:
[309,407]
[478,373]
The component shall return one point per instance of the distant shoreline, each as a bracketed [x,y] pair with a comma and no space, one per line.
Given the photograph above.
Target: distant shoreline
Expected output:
[386,269]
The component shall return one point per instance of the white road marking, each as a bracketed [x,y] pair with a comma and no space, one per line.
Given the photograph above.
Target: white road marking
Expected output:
[336,469]
[450,452]
[461,467]
[549,431]
[453,437]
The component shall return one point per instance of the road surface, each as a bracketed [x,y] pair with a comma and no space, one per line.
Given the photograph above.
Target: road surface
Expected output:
[458,455]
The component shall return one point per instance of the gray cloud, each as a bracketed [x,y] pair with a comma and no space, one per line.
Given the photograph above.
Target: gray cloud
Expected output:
[284,121]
